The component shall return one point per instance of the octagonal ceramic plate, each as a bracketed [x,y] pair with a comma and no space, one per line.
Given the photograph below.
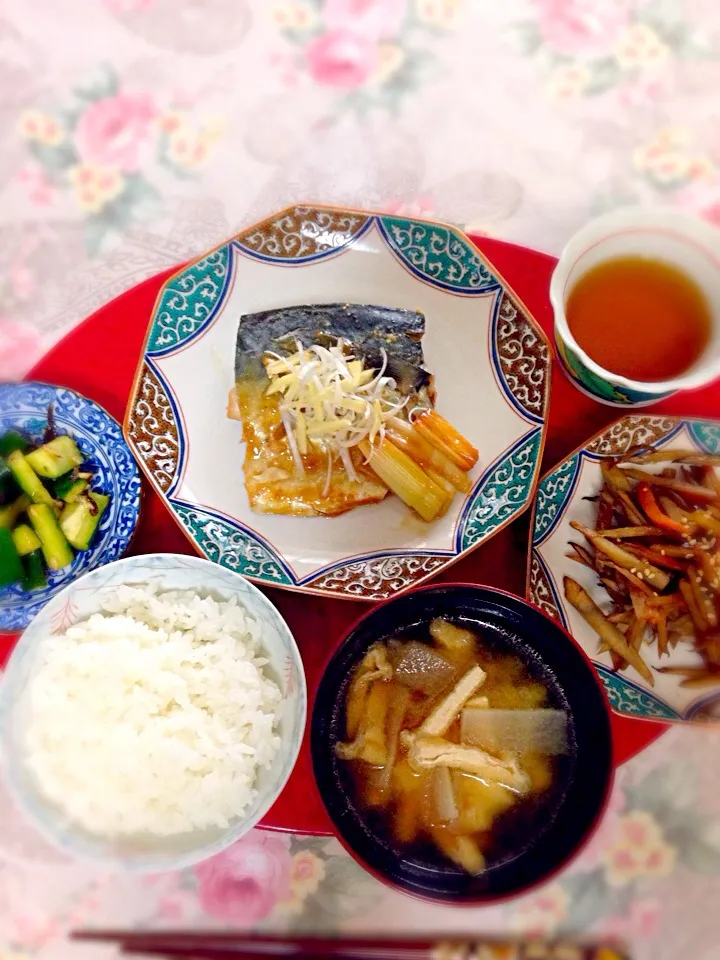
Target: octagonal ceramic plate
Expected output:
[560,499]
[490,359]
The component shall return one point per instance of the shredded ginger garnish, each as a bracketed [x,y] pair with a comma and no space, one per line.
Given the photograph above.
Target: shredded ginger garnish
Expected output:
[331,402]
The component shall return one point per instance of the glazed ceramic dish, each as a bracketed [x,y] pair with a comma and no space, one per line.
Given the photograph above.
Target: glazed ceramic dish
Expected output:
[560,500]
[79,601]
[490,359]
[24,407]
[584,776]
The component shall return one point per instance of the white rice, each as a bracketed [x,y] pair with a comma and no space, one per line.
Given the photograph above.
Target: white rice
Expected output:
[153,716]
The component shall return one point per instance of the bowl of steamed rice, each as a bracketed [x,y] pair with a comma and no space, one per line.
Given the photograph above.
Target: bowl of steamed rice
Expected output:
[152,712]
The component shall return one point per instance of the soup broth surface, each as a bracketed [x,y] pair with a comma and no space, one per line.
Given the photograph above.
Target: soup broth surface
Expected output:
[454,812]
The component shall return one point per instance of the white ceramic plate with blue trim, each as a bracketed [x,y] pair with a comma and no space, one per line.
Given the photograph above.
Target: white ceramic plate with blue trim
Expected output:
[490,359]
[24,407]
[561,499]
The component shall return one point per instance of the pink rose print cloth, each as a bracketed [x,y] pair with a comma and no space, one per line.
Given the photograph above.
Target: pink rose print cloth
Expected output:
[341,58]
[375,19]
[243,884]
[20,347]
[581,26]
[111,131]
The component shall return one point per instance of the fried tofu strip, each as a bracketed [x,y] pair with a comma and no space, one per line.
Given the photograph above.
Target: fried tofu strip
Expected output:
[426,752]
[409,789]
[370,744]
[395,718]
[374,666]
[440,720]
[447,635]
[464,851]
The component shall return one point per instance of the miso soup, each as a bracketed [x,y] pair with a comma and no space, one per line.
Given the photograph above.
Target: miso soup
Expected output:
[457,747]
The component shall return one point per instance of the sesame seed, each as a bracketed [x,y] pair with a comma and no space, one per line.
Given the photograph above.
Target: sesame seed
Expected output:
[633,569]
[639,576]
[662,552]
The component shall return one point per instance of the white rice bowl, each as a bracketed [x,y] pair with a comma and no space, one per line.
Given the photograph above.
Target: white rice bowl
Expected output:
[152,712]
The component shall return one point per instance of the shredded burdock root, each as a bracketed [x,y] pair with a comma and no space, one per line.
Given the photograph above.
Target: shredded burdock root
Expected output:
[655,548]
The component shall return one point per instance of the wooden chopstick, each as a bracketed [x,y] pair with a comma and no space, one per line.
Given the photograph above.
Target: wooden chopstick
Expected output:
[222,946]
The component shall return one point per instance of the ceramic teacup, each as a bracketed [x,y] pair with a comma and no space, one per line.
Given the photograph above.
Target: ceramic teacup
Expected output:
[661,234]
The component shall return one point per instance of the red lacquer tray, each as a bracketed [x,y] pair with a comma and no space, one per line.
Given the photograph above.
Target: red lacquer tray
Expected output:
[99,359]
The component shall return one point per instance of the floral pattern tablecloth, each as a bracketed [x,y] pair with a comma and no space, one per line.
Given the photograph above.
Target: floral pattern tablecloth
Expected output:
[136,133]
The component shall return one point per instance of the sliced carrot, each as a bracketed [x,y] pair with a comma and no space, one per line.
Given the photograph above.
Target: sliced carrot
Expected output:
[647,501]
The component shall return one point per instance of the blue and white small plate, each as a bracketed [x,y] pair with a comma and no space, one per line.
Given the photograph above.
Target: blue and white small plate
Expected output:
[490,359]
[24,407]
[561,498]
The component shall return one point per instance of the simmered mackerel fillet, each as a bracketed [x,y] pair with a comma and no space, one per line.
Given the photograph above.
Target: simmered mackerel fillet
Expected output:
[368,329]
[271,476]
[271,479]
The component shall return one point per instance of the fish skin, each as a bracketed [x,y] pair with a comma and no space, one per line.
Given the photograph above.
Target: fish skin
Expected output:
[368,329]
